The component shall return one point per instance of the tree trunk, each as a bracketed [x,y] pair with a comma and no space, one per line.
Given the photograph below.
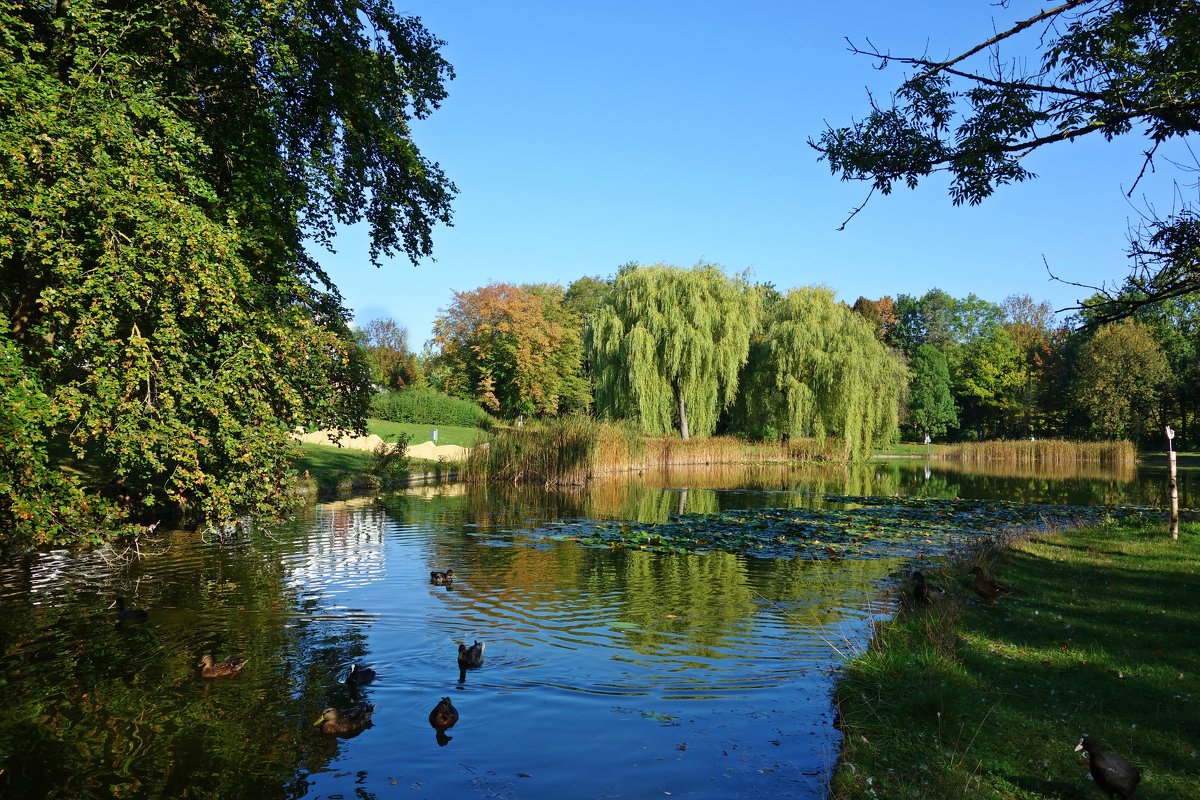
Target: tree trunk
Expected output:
[683,423]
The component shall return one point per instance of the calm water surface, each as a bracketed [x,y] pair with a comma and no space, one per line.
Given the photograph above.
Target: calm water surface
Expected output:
[608,673]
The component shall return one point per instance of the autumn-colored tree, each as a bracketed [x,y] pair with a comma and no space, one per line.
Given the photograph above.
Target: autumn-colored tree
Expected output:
[668,345]
[1121,377]
[513,349]
[880,313]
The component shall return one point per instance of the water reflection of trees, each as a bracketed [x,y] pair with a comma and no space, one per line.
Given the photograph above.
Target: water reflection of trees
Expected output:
[97,709]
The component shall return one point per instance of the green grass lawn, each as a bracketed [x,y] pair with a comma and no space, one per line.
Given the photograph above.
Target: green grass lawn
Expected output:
[447,434]
[1099,637]
[909,449]
[331,465]
[329,462]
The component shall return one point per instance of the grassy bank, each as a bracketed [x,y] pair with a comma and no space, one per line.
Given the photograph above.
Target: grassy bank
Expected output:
[1099,637]
[339,470]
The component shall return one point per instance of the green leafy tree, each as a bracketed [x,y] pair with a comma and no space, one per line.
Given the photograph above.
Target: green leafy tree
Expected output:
[931,409]
[668,345]
[1106,68]
[392,364]
[161,166]
[823,372]
[1121,377]
[988,384]
[1031,325]
[513,349]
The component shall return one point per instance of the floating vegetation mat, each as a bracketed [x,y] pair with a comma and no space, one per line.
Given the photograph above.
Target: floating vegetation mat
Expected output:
[853,527]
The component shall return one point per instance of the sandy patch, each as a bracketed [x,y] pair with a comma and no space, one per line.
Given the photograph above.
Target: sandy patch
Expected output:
[425,450]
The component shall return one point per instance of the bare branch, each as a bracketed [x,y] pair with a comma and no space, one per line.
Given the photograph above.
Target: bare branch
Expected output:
[934,67]
[854,213]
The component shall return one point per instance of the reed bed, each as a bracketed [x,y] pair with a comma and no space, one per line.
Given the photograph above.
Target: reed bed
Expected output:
[1042,451]
[572,450]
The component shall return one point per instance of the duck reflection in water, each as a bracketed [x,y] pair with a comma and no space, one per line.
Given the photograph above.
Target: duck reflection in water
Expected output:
[347,722]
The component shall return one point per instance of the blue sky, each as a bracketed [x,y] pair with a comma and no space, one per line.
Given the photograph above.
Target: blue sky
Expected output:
[583,135]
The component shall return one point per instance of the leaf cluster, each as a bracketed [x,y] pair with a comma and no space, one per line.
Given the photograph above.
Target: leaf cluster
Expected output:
[161,167]
[1106,67]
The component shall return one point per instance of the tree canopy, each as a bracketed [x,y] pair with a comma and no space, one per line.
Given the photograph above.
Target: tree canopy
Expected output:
[513,349]
[1120,376]
[930,407]
[668,343]
[827,374]
[1107,67]
[162,167]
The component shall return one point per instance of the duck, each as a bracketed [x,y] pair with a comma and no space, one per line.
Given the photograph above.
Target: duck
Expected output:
[924,593]
[220,669]
[442,578]
[346,722]
[444,715]
[360,676]
[470,656]
[1115,776]
[987,588]
[129,614]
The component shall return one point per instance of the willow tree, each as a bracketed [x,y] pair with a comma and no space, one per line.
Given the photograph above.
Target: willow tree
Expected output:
[829,373]
[668,344]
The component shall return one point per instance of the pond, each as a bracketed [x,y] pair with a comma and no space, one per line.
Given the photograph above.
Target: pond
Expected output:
[614,665]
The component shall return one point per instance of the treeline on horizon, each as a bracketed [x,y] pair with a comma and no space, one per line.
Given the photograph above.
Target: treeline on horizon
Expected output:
[697,350]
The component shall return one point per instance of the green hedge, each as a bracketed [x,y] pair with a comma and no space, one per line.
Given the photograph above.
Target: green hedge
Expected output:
[428,407]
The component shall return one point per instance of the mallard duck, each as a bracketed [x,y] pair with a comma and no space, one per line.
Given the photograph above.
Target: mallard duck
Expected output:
[987,588]
[347,721]
[444,715]
[220,669]
[923,592]
[1115,776]
[129,614]
[470,656]
[360,676]
[442,578]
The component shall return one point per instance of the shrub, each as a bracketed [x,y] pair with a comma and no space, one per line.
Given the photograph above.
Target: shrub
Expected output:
[388,459]
[425,406]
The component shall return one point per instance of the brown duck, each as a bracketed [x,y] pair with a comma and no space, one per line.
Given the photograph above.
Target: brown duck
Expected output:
[990,590]
[444,715]
[1115,776]
[220,669]
[441,578]
[346,722]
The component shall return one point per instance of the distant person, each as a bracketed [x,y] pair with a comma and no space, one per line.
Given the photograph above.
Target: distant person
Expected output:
[927,439]
[435,436]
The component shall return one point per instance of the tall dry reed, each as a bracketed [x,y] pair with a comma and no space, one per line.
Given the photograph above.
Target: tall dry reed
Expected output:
[1041,451]
[573,449]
